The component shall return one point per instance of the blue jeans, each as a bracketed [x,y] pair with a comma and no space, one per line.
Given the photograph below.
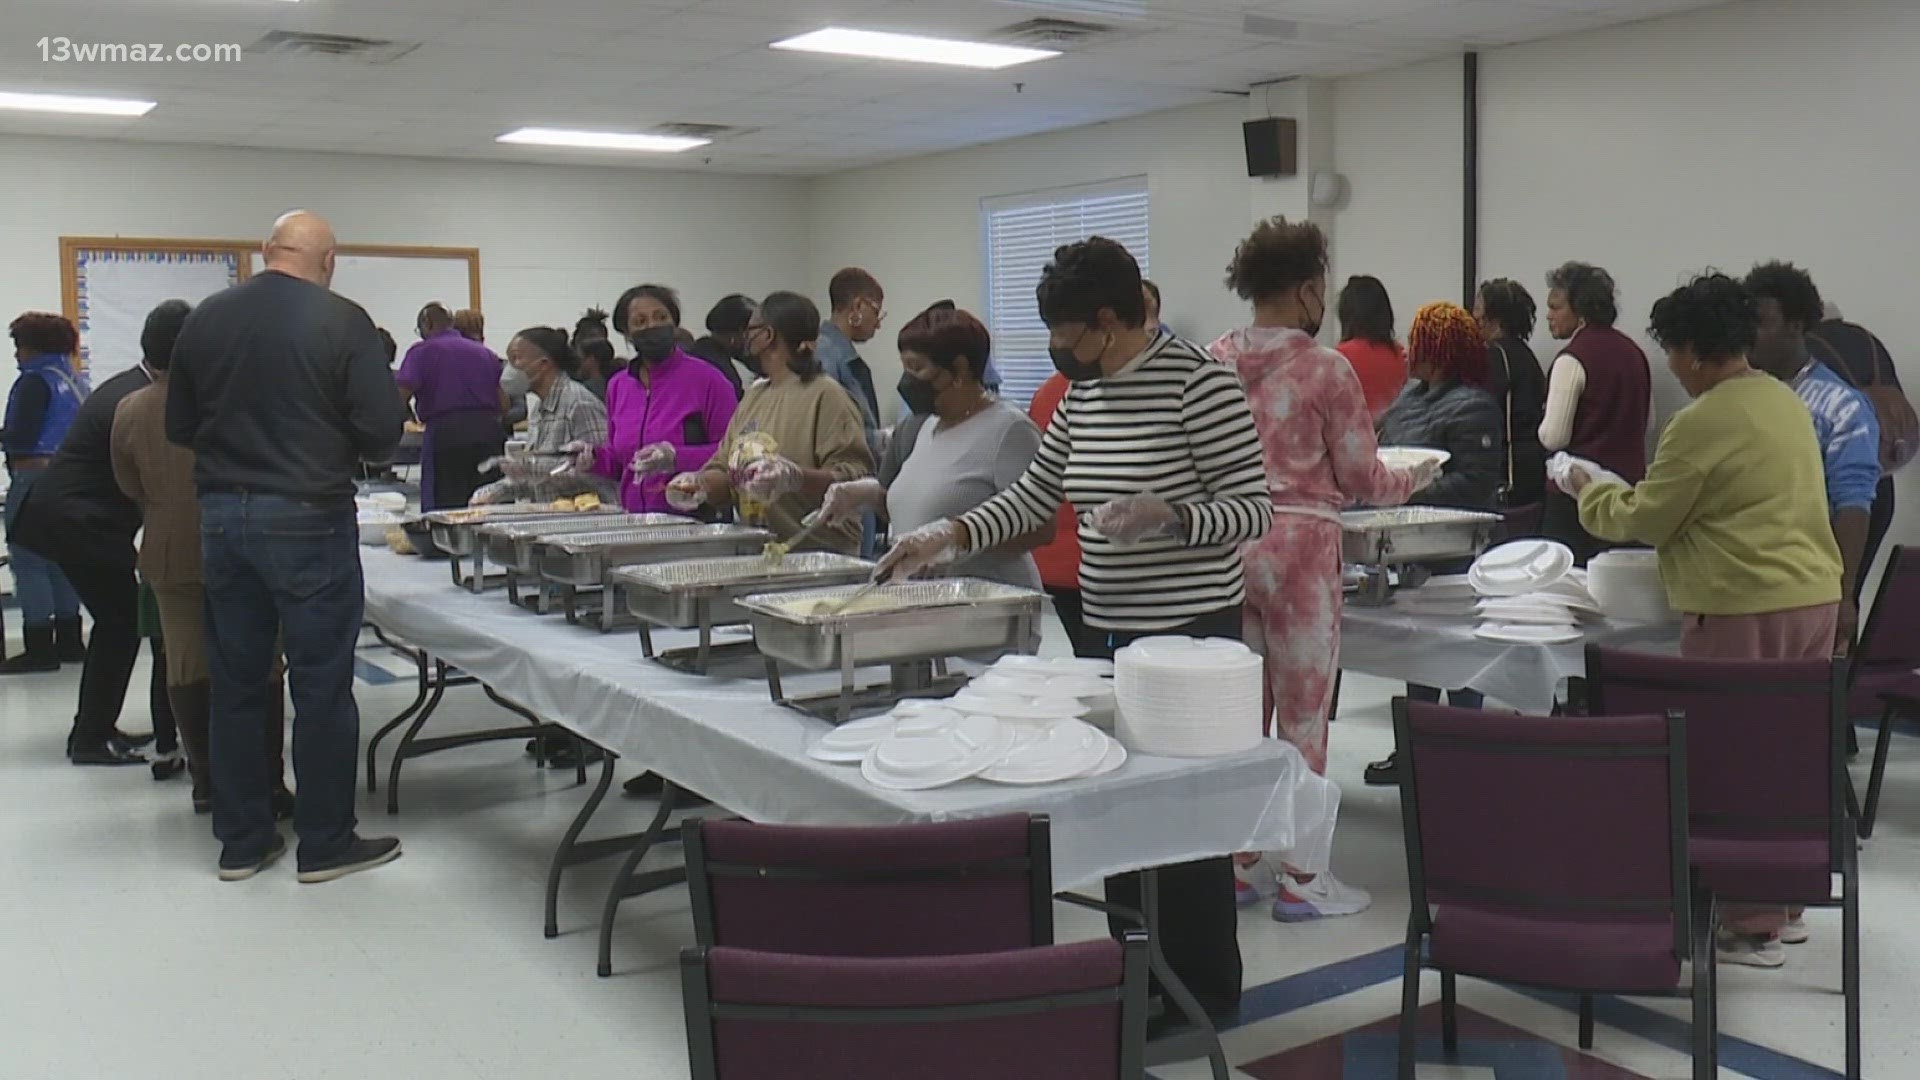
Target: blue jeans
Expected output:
[276,570]
[45,594]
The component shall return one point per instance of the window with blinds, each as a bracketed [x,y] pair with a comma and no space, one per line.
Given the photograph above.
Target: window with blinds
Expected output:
[1022,232]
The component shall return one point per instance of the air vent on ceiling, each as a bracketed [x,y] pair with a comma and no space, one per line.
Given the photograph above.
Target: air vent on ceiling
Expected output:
[331,47]
[697,131]
[1043,33]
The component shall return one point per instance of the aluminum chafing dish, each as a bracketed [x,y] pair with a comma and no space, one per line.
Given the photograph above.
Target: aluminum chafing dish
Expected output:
[704,593]
[578,561]
[516,545]
[456,533]
[1377,539]
[913,627]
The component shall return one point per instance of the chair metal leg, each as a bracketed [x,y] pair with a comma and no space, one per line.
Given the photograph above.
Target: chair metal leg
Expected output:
[1410,1010]
[1881,746]
[1850,954]
[1449,1013]
[1706,991]
[1586,1021]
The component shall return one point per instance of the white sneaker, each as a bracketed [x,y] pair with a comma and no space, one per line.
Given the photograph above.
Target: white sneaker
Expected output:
[1324,897]
[1749,951]
[1795,932]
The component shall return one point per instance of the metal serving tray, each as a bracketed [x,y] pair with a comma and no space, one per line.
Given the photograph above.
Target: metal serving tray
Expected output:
[456,533]
[516,544]
[587,559]
[684,595]
[1410,534]
[914,621]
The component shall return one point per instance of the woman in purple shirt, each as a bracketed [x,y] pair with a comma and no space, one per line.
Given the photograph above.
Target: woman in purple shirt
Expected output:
[666,412]
[453,384]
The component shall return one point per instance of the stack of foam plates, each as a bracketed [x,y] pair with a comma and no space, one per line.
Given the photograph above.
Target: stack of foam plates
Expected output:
[1520,567]
[1054,665]
[1188,697]
[919,755]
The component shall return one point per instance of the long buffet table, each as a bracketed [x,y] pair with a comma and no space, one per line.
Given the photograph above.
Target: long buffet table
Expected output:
[1430,644]
[726,739]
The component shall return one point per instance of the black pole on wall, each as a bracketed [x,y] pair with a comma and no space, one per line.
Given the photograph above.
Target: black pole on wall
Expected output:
[1470,181]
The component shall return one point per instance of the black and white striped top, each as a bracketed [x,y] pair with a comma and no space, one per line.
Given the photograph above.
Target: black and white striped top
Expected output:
[1172,423]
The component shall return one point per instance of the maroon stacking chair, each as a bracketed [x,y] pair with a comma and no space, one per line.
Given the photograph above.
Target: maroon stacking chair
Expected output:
[974,886]
[1550,853]
[1884,663]
[1767,782]
[1064,1012]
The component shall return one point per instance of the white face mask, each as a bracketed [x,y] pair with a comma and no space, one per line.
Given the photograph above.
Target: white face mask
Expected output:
[514,381]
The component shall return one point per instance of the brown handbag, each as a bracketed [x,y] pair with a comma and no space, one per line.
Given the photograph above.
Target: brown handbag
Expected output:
[1899,426]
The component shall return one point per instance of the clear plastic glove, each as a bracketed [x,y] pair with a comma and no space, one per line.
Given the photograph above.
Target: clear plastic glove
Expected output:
[1134,518]
[582,455]
[686,493]
[924,547]
[846,499]
[489,495]
[768,478]
[1424,473]
[657,458]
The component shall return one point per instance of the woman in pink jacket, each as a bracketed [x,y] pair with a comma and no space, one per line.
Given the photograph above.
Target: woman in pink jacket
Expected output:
[666,412]
[1317,436]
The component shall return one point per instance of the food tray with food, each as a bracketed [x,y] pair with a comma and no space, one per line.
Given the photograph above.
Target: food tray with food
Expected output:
[454,531]
[894,623]
[1408,534]
[516,544]
[586,559]
[702,591]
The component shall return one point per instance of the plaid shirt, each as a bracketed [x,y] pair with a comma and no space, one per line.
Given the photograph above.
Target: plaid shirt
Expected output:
[568,413]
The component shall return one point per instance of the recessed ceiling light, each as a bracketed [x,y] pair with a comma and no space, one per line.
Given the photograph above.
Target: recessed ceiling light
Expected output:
[602,140]
[72,103]
[920,50]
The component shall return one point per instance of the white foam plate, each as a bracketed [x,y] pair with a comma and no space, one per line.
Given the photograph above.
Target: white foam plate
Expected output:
[1522,566]
[1116,757]
[1512,634]
[1061,751]
[849,743]
[1055,665]
[1017,707]
[948,754]
[1406,457]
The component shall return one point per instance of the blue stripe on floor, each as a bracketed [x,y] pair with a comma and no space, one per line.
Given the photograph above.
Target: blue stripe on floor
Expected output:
[1344,977]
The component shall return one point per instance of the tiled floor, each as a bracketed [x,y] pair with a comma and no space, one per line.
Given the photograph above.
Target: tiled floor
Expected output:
[122,955]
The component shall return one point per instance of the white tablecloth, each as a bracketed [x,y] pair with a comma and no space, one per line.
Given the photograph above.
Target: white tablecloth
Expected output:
[727,740]
[1415,642]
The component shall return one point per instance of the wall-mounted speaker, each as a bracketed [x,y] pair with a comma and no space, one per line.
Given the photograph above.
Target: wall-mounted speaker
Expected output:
[1273,146]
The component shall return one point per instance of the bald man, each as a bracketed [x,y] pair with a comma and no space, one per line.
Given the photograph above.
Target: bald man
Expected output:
[280,388]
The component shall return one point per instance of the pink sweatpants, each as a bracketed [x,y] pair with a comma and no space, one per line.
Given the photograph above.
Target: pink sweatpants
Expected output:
[1796,634]
[1293,620]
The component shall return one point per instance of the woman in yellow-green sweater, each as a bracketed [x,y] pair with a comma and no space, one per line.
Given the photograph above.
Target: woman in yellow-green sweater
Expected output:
[1735,504]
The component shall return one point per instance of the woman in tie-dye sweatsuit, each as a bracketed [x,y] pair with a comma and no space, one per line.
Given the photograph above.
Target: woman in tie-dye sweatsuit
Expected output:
[1317,435]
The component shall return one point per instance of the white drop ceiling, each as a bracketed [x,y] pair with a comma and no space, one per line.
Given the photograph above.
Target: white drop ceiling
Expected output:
[485,67]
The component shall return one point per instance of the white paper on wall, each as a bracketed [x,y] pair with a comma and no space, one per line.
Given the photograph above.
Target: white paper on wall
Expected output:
[393,289]
[116,290]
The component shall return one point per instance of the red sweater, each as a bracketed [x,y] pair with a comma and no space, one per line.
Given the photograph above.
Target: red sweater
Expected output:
[1382,370]
[1059,561]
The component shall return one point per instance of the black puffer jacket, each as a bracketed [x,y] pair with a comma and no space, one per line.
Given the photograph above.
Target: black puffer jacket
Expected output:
[1463,421]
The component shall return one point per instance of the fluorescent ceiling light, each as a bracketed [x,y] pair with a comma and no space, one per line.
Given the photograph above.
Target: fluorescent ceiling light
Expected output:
[71,103]
[602,140]
[920,50]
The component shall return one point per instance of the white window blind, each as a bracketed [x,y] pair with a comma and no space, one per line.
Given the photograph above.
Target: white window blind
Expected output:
[1022,233]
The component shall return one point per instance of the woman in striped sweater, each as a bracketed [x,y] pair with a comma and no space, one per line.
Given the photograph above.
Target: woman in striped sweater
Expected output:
[1156,450]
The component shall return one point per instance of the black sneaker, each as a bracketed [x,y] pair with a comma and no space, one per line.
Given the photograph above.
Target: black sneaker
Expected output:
[361,854]
[650,786]
[240,869]
[112,752]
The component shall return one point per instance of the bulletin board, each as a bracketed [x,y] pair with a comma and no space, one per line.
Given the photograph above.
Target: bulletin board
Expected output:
[108,284]
[393,283]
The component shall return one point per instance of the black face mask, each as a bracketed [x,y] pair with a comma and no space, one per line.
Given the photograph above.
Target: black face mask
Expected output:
[1067,363]
[653,344]
[1312,329]
[918,394]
